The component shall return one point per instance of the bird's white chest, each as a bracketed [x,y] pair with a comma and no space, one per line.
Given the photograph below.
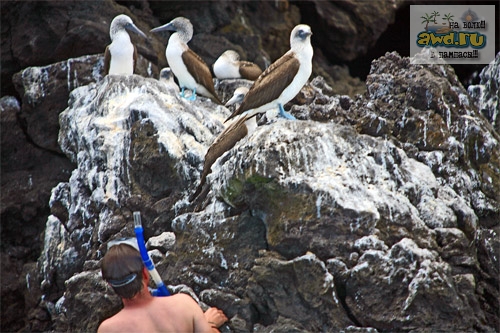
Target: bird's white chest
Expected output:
[122,55]
[296,85]
[174,58]
[300,78]
[224,69]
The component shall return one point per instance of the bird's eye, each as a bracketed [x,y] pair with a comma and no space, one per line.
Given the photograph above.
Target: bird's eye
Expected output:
[302,34]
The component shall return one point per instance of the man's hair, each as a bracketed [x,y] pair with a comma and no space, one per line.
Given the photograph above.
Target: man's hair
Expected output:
[122,268]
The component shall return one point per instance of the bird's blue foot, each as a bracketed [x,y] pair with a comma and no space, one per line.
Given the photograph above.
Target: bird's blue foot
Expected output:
[193,96]
[285,114]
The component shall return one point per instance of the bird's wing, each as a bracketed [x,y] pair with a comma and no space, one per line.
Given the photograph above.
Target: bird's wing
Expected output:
[249,70]
[224,142]
[107,60]
[200,71]
[270,84]
[135,60]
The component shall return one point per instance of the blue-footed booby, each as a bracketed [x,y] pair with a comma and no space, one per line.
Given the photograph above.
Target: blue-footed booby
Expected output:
[191,71]
[121,55]
[229,66]
[242,126]
[281,81]
[167,77]
[238,96]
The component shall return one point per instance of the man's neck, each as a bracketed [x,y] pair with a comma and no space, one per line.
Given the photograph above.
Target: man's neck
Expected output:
[139,300]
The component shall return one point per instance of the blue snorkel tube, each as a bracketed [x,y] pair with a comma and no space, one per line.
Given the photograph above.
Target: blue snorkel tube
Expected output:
[146,259]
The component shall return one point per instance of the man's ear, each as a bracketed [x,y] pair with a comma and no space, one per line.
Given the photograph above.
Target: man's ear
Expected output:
[145,274]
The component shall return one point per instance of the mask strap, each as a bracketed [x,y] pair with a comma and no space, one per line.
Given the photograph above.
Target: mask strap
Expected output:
[120,283]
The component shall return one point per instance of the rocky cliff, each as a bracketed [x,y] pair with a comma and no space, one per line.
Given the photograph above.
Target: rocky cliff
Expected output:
[374,211]
[379,212]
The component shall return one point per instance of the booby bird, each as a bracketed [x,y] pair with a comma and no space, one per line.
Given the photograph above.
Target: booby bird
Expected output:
[121,55]
[281,81]
[242,126]
[191,71]
[229,66]
[167,77]
[238,96]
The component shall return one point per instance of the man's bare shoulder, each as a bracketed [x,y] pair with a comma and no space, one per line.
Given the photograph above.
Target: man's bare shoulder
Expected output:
[128,319]
[178,302]
[109,325]
[179,298]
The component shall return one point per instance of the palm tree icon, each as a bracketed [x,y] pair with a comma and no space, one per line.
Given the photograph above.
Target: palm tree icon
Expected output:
[448,17]
[434,15]
[427,19]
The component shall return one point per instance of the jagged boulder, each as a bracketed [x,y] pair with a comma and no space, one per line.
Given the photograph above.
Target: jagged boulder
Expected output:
[45,92]
[485,94]
[28,174]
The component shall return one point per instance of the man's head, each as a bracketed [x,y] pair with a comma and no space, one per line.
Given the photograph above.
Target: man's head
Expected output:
[122,268]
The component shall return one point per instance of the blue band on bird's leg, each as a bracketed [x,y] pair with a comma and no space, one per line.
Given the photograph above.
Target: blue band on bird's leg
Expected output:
[285,114]
[193,95]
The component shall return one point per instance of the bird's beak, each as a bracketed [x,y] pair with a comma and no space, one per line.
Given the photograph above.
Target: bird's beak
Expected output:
[133,28]
[169,26]
[234,99]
